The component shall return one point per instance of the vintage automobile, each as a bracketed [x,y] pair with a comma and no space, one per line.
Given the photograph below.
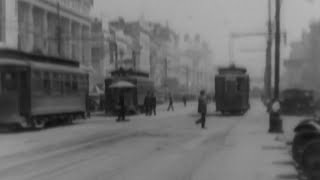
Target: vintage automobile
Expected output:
[36,89]
[297,101]
[232,90]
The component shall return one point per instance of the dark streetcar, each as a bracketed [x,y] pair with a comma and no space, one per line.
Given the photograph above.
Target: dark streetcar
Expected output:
[134,96]
[297,101]
[232,90]
[36,89]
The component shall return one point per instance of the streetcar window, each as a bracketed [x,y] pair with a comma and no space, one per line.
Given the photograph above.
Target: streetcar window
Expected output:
[8,82]
[82,83]
[67,83]
[46,82]
[239,84]
[57,84]
[229,85]
[74,83]
[37,83]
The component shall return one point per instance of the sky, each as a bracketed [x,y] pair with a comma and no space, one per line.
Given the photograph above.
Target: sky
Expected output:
[215,19]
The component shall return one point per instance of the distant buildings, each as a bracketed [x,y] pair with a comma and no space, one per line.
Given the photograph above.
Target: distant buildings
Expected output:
[303,66]
[197,58]
[99,51]
[65,29]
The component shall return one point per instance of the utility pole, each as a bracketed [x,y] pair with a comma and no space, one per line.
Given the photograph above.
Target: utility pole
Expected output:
[268,65]
[277,50]
[59,31]
[187,78]
[165,71]
[275,119]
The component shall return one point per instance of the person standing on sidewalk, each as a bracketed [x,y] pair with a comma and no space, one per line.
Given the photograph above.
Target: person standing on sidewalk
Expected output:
[184,99]
[153,101]
[122,111]
[147,104]
[170,103]
[202,109]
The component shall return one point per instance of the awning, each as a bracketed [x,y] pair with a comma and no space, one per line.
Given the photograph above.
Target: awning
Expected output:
[122,84]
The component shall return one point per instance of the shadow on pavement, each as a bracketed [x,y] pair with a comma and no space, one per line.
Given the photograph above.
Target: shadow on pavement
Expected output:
[216,114]
[274,148]
[284,163]
[288,177]
[18,130]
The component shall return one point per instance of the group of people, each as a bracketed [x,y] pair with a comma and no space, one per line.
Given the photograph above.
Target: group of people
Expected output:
[150,104]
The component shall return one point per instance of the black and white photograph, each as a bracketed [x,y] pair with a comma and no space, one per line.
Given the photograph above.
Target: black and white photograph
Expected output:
[159,89]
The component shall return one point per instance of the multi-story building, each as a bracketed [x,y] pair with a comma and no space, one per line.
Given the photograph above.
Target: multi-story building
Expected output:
[123,47]
[58,28]
[100,52]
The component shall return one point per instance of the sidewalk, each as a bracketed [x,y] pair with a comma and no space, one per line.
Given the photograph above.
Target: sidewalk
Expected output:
[251,153]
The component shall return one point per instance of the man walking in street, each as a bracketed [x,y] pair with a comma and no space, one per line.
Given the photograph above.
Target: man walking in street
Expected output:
[170,103]
[122,111]
[153,101]
[202,109]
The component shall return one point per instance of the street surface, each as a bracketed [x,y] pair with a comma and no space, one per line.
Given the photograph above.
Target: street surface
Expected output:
[168,146]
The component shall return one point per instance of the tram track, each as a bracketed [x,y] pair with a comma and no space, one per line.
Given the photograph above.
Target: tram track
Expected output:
[96,145]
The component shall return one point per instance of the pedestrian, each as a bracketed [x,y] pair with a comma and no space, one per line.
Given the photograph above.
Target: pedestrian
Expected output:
[170,103]
[147,104]
[153,102]
[122,110]
[202,109]
[184,98]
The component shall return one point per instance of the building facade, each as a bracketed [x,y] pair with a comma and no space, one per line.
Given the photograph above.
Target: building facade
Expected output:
[60,28]
[302,67]
[100,53]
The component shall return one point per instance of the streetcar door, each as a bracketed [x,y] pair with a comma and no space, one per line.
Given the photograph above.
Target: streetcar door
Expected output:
[9,96]
[24,93]
[219,92]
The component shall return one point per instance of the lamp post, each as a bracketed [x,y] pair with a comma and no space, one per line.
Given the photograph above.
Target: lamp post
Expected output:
[275,119]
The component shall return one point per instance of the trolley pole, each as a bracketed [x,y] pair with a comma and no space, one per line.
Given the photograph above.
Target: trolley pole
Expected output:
[275,119]
[231,55]
[187,78]
[134,56]
[165,71]
[115,50]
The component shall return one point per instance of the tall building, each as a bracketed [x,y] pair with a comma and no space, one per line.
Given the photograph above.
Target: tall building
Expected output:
[99,52]
[59,28]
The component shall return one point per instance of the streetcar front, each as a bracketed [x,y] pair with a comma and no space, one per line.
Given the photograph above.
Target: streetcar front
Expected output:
[13,92]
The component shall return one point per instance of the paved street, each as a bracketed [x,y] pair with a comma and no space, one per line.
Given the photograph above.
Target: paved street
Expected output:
[168,146]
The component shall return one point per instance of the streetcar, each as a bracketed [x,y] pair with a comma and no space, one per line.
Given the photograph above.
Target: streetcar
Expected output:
[36,90]
[232,90]
[134,95]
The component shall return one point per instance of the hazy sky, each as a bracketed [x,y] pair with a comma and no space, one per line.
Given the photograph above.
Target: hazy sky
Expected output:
[214,19]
